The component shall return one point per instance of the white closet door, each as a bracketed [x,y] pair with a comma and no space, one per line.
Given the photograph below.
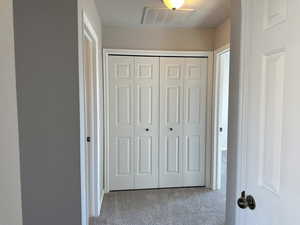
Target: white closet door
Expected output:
[171,116]
[195,84]
[146,105]
[121,152]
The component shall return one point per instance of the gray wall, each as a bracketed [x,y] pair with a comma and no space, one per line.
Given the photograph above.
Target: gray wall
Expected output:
[10,185]
[147,38]
[234,113]
[46,47]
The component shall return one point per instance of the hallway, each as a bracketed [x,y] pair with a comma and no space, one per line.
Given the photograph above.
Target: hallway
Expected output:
[178,206]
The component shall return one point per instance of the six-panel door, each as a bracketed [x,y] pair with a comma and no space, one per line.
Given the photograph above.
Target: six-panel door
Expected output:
[121,152]
[157,121]
[134,122]
[194,123]
[171,121]
[183,83]
[146,102]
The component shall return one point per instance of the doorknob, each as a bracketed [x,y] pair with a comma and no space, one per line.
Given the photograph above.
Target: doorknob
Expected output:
[246,201]
[88,139]
[147,129]
[171,129]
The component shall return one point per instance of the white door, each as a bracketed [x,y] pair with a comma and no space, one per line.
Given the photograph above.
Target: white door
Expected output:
[183,84]
[146,106]
[223,100]
[273,109]
[194,124]
[134,103]
[121,90]
[90,165]
[223,94]
[171,122]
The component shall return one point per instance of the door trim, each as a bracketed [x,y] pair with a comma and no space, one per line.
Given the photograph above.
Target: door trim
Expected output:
[237,140]
[87,28]
[126,52]
[215,113]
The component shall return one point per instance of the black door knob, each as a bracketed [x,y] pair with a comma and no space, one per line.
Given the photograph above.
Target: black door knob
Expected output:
[246,201]
[147,129]
[171,129]
[242,201]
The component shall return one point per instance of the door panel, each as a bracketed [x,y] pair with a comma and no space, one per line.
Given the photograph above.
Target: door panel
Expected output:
[194,125]
[172,154]
[121,73]
[123,105]
[273,109]
[172,107]
[144,156]
[171,115]
[146,105]
[123,156]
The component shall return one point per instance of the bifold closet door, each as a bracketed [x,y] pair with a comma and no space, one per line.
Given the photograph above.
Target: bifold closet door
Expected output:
[146,104]
[194,122]
[171,121]
[121,152]
[134,129]
[183,83]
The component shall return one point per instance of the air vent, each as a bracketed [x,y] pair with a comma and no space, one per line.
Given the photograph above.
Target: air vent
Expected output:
[164,16]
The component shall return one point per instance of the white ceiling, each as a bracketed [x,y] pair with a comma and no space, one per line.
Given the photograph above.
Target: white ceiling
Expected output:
[128,13]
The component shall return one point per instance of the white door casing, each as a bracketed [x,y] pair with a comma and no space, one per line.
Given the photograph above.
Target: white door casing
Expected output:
[272,112]
[88,100]
[89,91]
[137,78]
[223,97]
[90,122]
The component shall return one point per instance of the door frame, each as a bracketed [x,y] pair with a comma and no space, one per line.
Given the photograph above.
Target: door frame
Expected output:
[87,28]
[237,136]
[126,52]
[215,127]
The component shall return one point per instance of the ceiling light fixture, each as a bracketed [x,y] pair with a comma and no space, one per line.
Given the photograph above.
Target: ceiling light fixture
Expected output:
[173,4]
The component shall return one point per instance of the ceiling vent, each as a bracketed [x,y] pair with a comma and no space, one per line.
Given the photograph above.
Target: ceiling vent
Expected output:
[164,16]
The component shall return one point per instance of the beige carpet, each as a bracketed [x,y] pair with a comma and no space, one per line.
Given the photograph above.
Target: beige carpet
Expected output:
[181,206]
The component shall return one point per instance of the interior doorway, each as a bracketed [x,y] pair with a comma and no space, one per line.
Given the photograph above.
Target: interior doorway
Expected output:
[90,155]
[222,59]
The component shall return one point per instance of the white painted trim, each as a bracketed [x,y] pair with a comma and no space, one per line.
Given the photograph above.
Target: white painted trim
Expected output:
[224,48]
[156,53]
[239,183]
[242,117]
[208,54]
[215,119]
[208,148]
[87,28]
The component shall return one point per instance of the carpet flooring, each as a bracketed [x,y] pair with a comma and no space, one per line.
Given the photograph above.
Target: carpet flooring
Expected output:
[175,206]
[182,206]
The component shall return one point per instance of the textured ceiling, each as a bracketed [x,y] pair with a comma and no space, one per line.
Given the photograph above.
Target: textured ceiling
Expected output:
[128,13]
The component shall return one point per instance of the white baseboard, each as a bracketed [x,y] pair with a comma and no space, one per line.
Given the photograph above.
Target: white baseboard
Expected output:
[101,200]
